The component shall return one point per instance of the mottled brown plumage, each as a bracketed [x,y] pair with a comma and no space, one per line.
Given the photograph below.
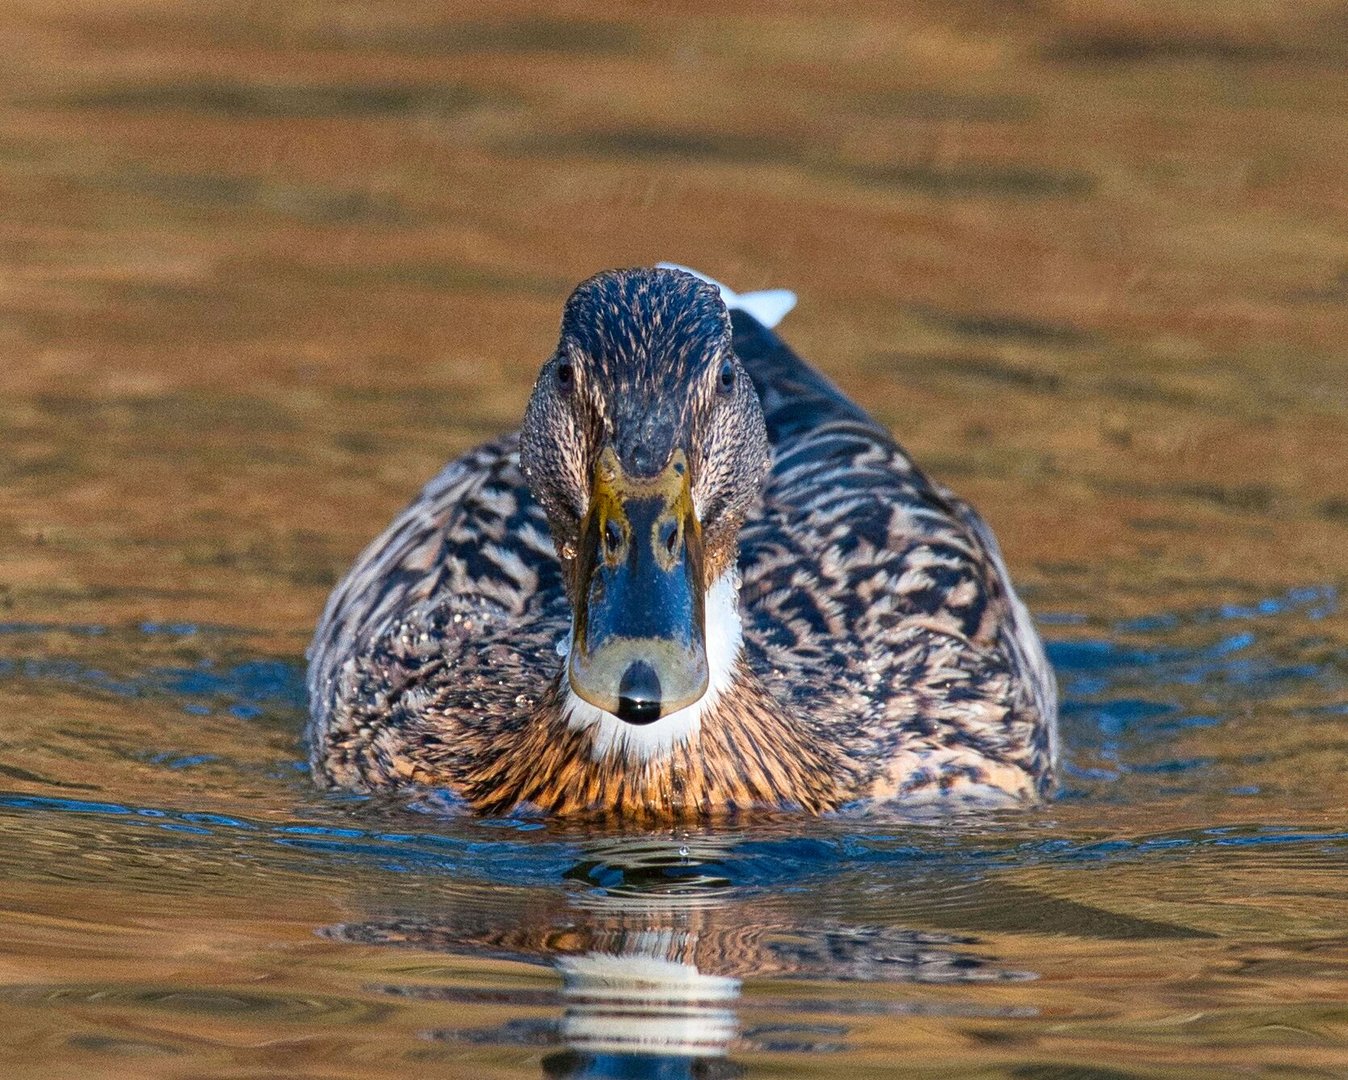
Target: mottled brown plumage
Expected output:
[885,656]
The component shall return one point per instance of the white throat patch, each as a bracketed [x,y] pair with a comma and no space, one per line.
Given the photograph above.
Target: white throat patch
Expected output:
[641,742]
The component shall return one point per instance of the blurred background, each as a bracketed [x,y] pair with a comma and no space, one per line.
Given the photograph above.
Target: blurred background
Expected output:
[265,267]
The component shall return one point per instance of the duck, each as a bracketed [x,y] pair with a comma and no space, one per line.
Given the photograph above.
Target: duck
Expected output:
[698,582]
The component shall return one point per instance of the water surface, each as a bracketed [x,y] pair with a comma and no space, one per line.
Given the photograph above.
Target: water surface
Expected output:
[263,270]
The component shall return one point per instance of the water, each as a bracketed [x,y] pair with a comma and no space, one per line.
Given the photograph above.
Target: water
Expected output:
[262,271]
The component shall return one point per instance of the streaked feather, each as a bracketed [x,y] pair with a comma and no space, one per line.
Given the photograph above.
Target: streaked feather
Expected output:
[886,655]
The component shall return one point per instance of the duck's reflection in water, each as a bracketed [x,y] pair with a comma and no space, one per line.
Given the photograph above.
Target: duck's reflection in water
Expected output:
[623,1009]
[651,954]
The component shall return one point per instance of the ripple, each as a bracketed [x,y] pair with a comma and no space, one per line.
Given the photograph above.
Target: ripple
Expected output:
[1132,698]
[245,689]
[202,1001]
[744,866]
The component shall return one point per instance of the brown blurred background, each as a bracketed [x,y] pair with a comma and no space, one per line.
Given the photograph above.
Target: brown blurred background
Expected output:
[265,266]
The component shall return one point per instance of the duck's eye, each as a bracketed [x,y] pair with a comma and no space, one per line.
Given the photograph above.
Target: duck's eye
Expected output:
[566,374]
[669,537]
[725,382]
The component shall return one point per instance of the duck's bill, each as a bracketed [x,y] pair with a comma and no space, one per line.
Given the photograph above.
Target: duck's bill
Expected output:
[638,645]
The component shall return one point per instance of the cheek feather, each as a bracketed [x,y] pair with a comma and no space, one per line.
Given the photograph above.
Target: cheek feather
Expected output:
[553,458]
[733,463]
[573,468]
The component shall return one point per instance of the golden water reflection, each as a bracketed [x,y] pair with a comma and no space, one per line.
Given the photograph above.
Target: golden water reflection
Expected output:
[263,269]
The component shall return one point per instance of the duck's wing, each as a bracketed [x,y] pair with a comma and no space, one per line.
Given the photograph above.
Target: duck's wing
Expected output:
[1019,637]
[472,550]
[875,599]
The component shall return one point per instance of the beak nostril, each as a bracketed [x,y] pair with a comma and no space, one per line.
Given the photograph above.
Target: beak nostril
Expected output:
[639,694]
[613,537]
[669,536]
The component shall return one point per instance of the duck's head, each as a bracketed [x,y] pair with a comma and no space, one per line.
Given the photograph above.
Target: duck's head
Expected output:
[644,442]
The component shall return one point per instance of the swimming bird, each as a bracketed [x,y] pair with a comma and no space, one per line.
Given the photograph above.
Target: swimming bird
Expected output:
[699,581]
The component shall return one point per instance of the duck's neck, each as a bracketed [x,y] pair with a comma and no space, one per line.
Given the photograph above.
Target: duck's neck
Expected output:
[611,736]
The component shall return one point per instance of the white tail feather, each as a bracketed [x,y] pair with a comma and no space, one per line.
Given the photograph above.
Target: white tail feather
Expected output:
[768,306]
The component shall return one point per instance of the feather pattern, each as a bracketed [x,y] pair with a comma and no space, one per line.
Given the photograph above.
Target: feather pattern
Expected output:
[885,654]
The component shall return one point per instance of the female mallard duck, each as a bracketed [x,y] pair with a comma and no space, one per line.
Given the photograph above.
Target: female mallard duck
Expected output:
[698,580]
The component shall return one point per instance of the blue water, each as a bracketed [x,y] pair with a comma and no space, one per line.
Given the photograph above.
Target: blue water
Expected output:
[1133,698]
[1133,694]
[1191,741]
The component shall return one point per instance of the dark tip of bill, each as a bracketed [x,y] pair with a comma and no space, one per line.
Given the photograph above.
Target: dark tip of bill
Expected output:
[639,694]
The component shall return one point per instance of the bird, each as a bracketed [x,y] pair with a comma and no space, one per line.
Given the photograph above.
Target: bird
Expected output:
[699,582]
